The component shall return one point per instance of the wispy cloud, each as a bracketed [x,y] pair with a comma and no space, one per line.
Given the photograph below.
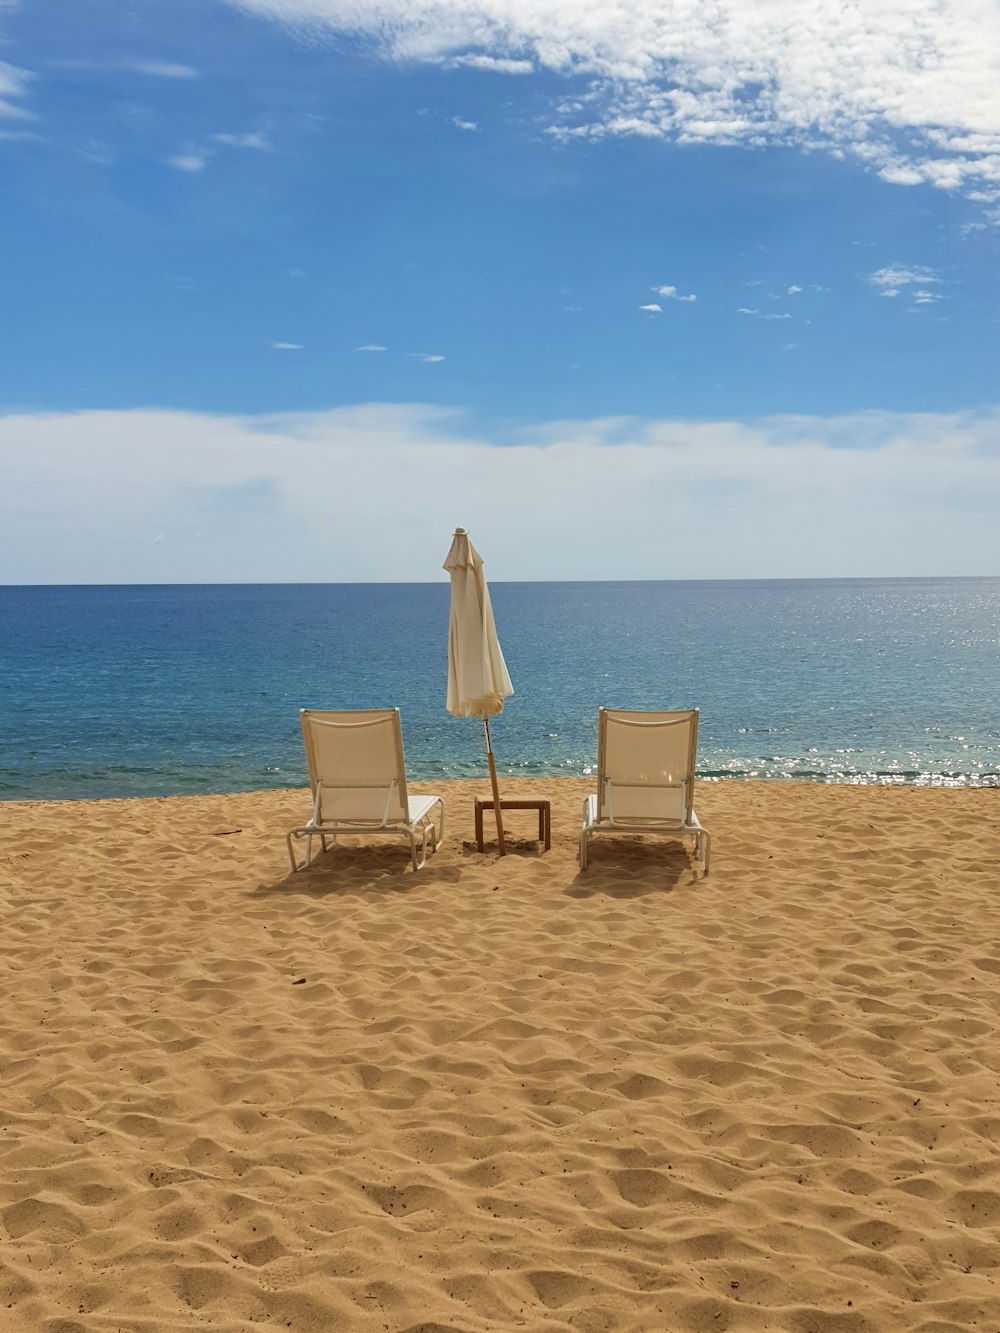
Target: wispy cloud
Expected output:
[653,308]
[154,69]
[97,150]
[286,347]
[793,290]
[257,140]
[162,69]
[913,100]
[14,84]
[198,158]
[188,162]
[428,358]
[371,347]
[461,124]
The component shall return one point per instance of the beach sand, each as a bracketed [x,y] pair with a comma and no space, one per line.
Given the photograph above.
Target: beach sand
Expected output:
[499,1094]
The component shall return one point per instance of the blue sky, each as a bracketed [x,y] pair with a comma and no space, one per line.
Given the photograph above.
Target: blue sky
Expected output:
[625,253]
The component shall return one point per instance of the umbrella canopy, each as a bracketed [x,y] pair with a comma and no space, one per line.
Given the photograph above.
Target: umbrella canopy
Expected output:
[478,681]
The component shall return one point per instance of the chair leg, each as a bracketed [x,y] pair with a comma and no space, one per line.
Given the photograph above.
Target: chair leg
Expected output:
[299,833]
[426,828]
[583,850]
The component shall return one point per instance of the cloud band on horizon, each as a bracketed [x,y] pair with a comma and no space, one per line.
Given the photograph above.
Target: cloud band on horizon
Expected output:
[83,496]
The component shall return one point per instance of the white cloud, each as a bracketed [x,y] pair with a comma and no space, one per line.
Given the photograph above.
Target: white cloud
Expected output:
[793,290]
[428,358]
[188,161]
[286,347]
[895,275]
[768,314]
[899,173]
[672,294]
[653,308]
[81,495]
[893,279]
[464,124]
[910,89]
[371,347]
[494,64]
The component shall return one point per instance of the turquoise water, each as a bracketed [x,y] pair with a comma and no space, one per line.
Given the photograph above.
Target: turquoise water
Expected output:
[142,691]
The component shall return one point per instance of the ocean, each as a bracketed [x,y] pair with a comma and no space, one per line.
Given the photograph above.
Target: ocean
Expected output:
[171,690]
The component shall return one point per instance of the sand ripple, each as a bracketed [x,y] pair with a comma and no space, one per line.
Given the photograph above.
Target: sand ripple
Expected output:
[498,1094]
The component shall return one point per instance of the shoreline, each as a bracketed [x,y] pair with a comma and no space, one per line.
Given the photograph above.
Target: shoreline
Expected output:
[880,782]
[500,1094]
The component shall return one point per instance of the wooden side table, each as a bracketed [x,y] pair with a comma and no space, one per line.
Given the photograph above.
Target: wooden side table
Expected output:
[544,809]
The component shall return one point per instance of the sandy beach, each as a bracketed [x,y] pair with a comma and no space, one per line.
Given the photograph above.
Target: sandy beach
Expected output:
[499,1094]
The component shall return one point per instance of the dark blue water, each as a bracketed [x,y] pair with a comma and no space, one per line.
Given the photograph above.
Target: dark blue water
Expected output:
[140,691]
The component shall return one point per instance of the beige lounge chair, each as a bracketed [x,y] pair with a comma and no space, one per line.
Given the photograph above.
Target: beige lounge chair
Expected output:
[645,778]
[358,780]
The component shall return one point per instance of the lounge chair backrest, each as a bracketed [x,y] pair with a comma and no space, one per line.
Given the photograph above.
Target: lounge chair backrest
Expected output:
[645,765]
[356,767]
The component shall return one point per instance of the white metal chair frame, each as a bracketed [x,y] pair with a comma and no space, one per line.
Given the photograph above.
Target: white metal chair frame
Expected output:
[419,810]
[598,809]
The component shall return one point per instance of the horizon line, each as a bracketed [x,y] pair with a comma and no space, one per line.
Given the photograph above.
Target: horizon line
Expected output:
[444,583]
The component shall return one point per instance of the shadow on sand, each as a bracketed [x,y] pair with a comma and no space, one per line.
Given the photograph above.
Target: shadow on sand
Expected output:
[353,872]
[626,868]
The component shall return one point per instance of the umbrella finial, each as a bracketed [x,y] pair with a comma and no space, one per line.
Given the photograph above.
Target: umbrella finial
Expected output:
[460,532]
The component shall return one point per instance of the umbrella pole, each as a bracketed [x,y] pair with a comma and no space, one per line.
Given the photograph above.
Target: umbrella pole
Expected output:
[495,786]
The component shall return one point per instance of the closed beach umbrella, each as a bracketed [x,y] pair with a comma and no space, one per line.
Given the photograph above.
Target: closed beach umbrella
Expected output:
[478,682]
